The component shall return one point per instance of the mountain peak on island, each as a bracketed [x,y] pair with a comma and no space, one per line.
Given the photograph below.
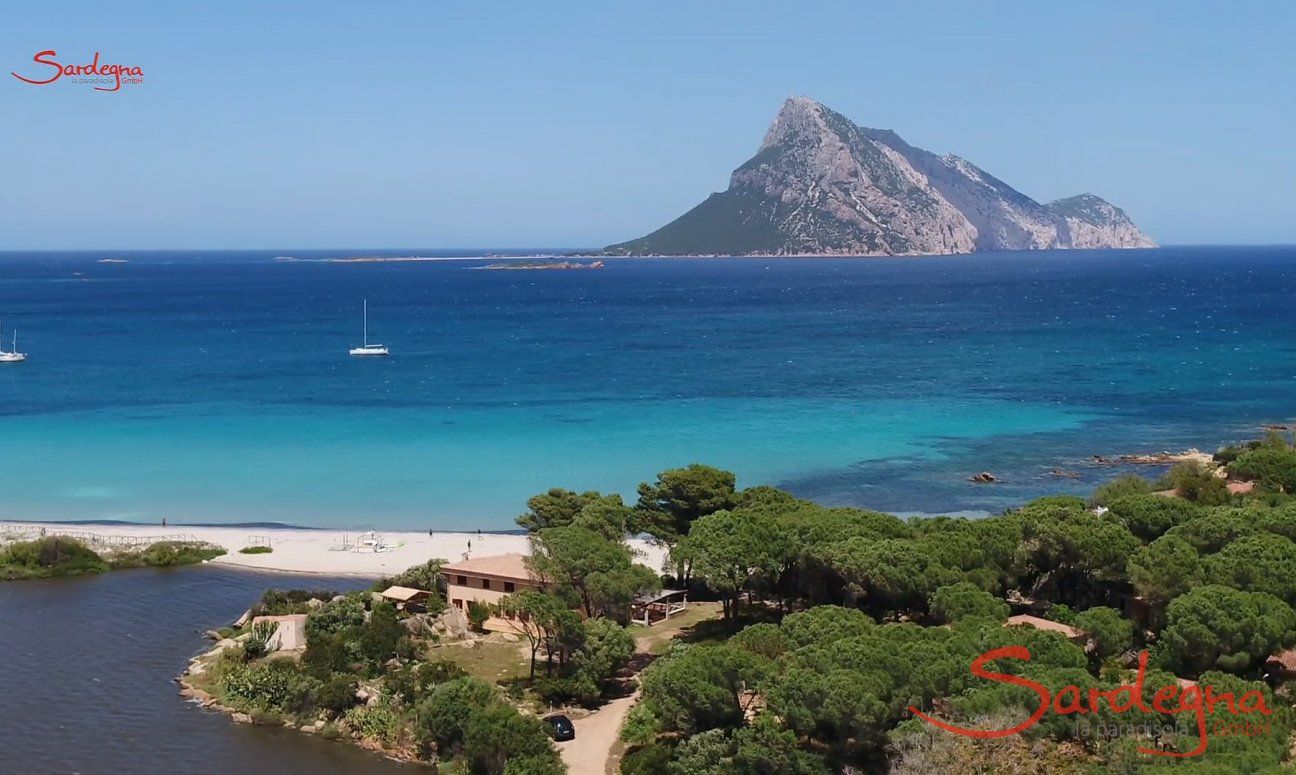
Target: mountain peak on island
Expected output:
[821,185]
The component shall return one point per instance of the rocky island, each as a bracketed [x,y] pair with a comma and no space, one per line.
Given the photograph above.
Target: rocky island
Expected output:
[821,185]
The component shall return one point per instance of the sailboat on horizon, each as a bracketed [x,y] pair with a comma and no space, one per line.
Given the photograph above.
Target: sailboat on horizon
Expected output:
[366,348]
[14,356]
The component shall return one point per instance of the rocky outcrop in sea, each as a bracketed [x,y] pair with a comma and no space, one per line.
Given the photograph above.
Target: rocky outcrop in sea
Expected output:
[821,185]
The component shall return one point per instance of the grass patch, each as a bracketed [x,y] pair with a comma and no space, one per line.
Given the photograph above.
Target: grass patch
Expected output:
[656,638]
[491,662]
[256,550]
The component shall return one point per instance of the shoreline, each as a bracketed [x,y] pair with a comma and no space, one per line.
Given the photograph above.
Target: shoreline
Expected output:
[320,551]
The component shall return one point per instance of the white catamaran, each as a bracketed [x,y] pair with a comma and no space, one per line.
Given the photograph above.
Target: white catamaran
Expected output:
[366,348]
[14,356]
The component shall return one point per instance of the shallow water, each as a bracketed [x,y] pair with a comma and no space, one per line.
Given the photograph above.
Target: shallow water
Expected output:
[216,386]
[87,678]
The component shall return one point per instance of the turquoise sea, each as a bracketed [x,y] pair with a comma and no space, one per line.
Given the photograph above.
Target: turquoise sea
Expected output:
[216,386]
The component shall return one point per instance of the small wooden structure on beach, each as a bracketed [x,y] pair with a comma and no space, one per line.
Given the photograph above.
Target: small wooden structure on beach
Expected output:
[655,607]
[403,597]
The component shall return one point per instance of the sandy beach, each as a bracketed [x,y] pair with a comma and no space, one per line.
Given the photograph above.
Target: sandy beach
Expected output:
[301,550]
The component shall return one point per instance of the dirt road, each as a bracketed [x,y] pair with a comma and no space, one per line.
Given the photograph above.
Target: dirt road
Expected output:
[595,735]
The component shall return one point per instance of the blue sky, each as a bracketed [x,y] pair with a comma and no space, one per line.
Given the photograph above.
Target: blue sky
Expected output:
[454,124]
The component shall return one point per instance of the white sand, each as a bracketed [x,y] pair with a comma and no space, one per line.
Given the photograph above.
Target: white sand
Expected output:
[314,551]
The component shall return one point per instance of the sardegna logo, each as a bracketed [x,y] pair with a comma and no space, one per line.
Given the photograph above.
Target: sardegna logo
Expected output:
[1168,700]
[102,76]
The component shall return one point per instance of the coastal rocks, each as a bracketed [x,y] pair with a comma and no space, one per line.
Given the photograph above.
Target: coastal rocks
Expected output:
[241,718]
[985,477]
[1191,455]
[242,621]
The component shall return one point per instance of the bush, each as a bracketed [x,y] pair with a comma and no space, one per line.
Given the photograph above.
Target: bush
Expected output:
[478,613]
[334,617]
[1150,516]
[498,736]
[1120,487]
[1198,483]
[1273,467]
[256,550]
[381,722]
[964,600]
[267,685]
[47,557]
[442,718]
[280,602]
[168,554]
[651,759]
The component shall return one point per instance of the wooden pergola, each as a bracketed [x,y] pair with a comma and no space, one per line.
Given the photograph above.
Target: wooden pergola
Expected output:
[658,606]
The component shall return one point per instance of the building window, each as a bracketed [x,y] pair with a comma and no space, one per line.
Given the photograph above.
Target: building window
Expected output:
[508,586]
[461,581]
[458,604]
[485,583]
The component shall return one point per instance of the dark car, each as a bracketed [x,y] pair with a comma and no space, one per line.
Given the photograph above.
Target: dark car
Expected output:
[560,728]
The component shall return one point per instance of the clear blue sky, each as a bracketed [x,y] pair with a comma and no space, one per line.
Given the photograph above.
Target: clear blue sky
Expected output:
[457,124]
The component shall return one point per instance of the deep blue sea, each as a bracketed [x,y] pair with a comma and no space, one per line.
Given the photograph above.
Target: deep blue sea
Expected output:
[216,386]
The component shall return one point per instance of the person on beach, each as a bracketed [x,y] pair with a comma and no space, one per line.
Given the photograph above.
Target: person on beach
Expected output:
[470,544]
[164,522]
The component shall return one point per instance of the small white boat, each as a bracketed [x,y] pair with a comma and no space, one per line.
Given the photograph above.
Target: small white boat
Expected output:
[366,348]
[14,356]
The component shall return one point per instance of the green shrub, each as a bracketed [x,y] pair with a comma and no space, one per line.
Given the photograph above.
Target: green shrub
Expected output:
[281,602]
[335,616]
[381,722]
[478,613]
[256,550]
[167,554]
[443,717]
[1198,483]
[327,654]
[651,759]
[1120,487]
[963,600]
[1273,467]
[266,685]
[47,557]
[500,739]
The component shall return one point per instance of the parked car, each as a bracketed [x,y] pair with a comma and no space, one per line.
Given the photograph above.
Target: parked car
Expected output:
[560,727]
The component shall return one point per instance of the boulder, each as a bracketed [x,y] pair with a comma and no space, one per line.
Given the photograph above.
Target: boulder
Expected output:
[455,622]
[508,637]
[985,477]
[314,603]
[241,718]
[244,619]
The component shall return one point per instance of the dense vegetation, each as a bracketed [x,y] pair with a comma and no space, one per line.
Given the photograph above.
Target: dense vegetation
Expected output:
[836,626]
[55,556]
[841,620]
